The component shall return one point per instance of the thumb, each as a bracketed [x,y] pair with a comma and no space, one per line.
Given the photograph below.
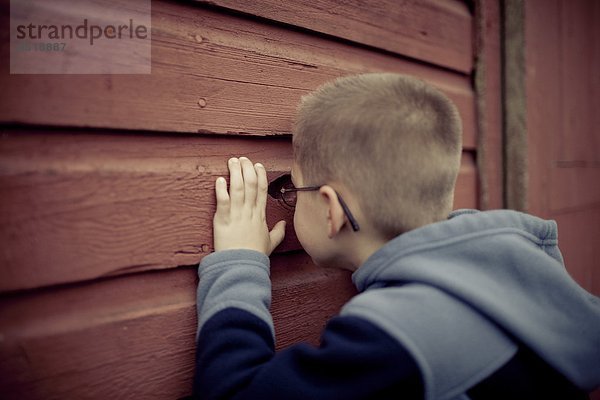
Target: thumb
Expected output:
[277,234]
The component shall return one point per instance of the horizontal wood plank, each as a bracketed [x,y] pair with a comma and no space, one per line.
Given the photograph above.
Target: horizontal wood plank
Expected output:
[436,31]
[80,205]
[133,336]
[211,73]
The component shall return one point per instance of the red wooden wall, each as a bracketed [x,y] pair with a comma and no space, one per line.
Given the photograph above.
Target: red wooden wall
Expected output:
[106,181]
[563,99]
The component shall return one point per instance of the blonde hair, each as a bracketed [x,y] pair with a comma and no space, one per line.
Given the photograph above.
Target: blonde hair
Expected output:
[393,140]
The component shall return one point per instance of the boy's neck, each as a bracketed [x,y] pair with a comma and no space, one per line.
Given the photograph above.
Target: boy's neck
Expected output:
[360,247]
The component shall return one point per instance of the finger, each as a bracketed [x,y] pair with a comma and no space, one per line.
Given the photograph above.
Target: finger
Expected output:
[236,183]
[249,175]
[276,235]
[222,196]
[262,186]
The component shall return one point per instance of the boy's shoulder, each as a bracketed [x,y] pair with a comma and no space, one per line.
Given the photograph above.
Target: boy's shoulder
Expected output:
[503,266]
[469,233]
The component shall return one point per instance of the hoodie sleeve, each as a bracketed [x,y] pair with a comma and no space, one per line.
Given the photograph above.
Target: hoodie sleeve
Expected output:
[236,358]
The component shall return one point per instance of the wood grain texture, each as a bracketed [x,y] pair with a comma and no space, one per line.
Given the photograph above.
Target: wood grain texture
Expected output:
[80,205]
[575,176]
[133,336]
[580,82]
[488,89]
[438,32]
[574,228]
[211,73]
[515,106]
[563,72]
[543,99]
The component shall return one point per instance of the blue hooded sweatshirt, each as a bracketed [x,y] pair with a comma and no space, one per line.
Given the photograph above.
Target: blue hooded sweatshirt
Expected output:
[440,310]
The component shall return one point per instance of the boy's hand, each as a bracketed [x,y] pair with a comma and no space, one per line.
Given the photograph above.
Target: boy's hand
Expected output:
[240,221]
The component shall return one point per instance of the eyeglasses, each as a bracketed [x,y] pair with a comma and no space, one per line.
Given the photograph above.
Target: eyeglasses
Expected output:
[283,189]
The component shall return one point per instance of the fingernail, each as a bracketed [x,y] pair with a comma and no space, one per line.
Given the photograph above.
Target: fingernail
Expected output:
[243,158]
[258,165]
[220,180]
[233,160]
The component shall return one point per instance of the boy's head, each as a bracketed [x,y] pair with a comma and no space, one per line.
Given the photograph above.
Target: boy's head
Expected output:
[392,140]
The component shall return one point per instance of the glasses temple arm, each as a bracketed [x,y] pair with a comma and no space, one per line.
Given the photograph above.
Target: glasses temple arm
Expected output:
[353,222]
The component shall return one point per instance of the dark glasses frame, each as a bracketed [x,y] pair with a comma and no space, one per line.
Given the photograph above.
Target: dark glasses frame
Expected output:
[277,191]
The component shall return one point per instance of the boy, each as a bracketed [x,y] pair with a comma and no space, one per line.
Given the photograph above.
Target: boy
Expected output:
[476,305]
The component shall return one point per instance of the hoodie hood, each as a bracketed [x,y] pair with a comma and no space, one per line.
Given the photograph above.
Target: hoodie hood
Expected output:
[505,265]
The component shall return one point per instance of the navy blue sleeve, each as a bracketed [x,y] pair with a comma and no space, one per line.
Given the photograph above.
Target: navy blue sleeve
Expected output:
[235,359]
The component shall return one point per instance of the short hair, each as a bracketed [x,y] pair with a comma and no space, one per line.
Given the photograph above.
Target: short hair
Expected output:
[392,139]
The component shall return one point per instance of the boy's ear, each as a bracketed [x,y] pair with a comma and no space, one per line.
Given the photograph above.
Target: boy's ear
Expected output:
[335,212]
